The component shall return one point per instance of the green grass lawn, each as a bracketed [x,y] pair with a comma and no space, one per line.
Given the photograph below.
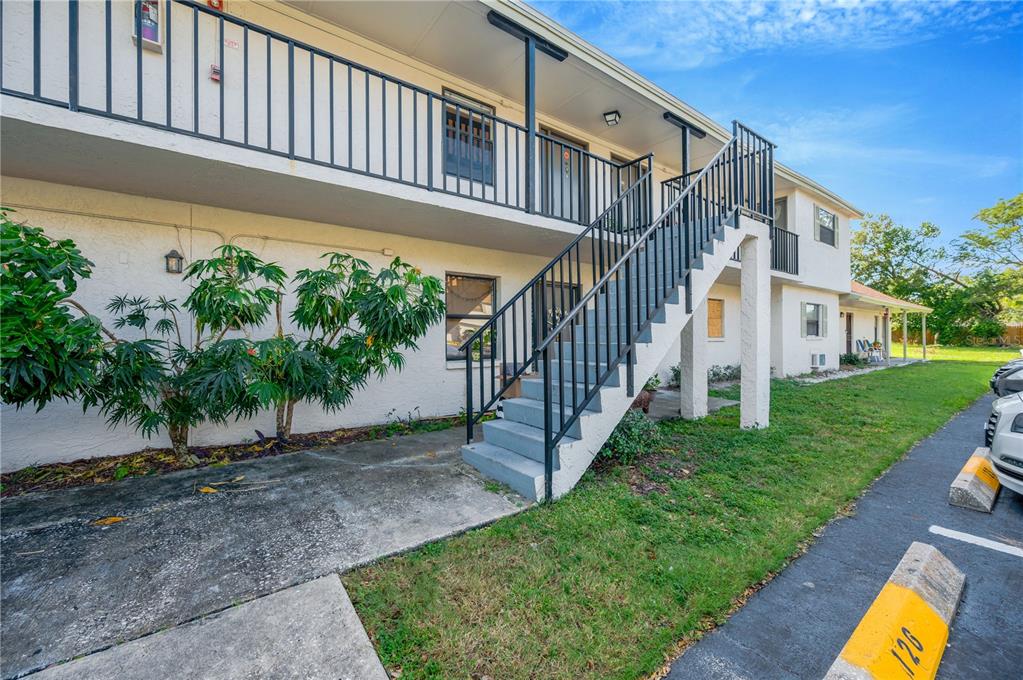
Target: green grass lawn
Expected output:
[607,581]
[950,353]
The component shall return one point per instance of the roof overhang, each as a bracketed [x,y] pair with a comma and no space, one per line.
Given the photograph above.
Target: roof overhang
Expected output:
[875,302]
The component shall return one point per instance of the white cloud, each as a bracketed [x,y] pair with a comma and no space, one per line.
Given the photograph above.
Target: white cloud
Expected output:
[680,35]
[828,138]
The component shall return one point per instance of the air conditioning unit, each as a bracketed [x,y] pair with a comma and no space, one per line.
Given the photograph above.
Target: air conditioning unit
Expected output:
[818,360]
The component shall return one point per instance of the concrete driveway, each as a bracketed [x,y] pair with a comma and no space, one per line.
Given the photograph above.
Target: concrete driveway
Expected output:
[796,625]
[71,587]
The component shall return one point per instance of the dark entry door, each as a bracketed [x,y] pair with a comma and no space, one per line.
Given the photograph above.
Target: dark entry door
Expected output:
[848,333]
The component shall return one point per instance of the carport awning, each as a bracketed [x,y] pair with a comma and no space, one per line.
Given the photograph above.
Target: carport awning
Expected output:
[865,296]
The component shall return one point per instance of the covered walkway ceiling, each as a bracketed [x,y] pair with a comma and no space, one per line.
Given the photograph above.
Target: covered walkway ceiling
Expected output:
[451,36]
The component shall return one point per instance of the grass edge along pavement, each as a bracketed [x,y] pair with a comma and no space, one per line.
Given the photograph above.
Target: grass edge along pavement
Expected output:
[607,581]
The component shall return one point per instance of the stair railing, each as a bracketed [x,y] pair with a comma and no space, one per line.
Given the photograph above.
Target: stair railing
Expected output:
[738,179]
[503,348]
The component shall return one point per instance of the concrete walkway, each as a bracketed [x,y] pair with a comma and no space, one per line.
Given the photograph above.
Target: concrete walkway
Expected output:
[796,625]
[70,587]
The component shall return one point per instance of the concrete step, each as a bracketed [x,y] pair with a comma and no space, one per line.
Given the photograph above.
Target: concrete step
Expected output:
[520,473]
[589,371]
[530,412]
[523,439]
[533,389]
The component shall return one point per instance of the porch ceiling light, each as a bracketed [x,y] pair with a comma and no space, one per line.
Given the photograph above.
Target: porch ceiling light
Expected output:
[612,118]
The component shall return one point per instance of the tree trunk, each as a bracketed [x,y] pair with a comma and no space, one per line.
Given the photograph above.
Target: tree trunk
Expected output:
[287,422]
[179,440]
[282,421]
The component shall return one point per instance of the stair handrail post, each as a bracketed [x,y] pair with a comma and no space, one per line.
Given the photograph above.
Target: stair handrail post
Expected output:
[629,369]
[548,426]
[468,396]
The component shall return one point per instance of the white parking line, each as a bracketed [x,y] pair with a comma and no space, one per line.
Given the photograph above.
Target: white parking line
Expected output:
[977,540]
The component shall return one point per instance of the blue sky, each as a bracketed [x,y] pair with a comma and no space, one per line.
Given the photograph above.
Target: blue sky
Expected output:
[910,108]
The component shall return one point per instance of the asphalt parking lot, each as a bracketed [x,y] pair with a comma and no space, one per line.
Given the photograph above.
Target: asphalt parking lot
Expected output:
[798,623]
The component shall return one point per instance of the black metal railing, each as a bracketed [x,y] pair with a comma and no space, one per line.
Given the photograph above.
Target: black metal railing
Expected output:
[501,350]
[784,251]
[202,73]
[591,341]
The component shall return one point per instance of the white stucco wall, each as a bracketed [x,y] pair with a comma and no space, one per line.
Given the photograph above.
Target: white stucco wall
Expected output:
[863,325]
[820,265]
[127,236]
[790,351]
[720,351]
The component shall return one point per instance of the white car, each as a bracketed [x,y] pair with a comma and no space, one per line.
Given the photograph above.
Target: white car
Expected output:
[1004,434]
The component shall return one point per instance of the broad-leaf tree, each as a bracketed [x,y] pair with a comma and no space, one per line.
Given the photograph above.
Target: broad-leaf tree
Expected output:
[356,323]
[163,381]
[972,286]
[49,346]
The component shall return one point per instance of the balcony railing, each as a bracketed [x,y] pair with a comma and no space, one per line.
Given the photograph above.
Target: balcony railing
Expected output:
[209,75]
[784,251]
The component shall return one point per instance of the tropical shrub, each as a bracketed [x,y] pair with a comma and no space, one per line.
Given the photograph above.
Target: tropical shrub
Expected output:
[46,351]
[851,359]
[724,373]
[162,381]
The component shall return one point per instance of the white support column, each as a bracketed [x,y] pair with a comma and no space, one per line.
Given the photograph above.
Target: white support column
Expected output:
[888,337]
[905,336]
[923,334]
[755,332]
[693,364]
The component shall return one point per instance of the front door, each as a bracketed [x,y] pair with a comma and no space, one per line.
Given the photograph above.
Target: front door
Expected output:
[564,168]
[848,333]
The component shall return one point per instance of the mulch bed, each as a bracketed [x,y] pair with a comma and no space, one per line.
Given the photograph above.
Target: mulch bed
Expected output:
[89,471]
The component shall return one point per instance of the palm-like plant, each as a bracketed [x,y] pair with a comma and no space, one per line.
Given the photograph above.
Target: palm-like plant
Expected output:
[357,324]
[160,381]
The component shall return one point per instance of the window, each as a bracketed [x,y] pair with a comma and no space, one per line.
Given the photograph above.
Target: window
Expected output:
[877,324]
[825,226]
[815,320]
[150,21]
[470,302]
[781,213]
[468,138]
[715,318]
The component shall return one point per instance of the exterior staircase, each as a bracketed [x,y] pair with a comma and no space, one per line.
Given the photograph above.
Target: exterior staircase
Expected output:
[577,364]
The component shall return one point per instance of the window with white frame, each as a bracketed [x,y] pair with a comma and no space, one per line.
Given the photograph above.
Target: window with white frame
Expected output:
[814,318]
[825,226]
[470,304]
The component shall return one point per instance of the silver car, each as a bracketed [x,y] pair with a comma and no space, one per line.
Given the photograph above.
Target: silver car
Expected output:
[1004,434]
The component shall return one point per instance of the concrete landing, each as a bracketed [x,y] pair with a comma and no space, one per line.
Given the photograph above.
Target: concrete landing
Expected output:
[667,401]
[71,587]
[307,631]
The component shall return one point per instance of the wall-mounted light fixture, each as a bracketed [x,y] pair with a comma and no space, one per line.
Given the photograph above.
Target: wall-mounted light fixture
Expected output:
[612,118]
[175,262]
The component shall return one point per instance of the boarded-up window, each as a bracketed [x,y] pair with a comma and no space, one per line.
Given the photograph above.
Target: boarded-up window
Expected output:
[715,318]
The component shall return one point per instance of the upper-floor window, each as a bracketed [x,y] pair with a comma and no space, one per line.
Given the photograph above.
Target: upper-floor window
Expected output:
[781,212]
[470,303]
[468,138]
[715,318]
[814,320]
[825,226]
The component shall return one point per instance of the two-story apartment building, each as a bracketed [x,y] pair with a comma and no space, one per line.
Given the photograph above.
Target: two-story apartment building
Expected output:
[583,219]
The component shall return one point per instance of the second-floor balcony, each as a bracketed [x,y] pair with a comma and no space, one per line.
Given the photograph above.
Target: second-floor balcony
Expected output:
[211,76]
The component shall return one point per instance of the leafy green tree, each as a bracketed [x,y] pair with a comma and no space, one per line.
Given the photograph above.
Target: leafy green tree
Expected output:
[46,351]
[357,322]
[968,293]
[999,243]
